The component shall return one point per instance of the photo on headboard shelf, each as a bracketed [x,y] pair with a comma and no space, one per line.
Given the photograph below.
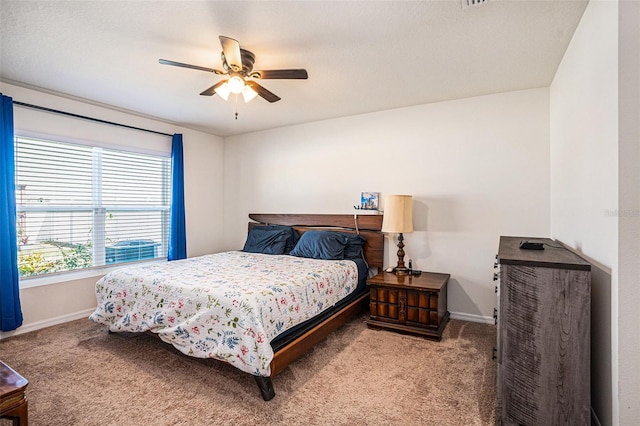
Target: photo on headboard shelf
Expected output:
[369,200]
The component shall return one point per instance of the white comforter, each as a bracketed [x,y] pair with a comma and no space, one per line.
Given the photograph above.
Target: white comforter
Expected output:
[227,306]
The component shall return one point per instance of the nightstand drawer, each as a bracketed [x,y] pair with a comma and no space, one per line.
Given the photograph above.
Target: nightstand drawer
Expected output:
[384,303]
[422,308]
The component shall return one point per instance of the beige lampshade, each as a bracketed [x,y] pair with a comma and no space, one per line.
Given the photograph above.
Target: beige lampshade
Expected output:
[398,214]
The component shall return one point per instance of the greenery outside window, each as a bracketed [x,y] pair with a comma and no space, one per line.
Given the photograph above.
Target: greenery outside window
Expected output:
[82,206]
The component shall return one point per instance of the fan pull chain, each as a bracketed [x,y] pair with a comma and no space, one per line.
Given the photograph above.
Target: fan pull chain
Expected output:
[236,107]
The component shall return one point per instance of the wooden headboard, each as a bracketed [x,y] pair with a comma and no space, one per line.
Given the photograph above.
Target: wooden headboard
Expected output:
[369,227]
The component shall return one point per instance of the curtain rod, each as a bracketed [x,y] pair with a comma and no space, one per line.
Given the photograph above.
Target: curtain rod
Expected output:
[84,117]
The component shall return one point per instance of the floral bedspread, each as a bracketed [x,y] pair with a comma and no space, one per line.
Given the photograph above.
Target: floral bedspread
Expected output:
[226,306]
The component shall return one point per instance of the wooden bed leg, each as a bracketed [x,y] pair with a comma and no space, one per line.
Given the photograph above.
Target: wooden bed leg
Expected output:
[266,387]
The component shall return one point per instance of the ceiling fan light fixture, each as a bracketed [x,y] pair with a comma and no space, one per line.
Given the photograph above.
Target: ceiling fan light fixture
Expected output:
[236,84]
[248,94]
[238,66]
[223,91]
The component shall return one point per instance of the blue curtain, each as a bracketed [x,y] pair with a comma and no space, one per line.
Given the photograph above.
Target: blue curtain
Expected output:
[10,311]
[177,232]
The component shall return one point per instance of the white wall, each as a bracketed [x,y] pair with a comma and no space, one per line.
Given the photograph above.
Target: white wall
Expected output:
[584,136]
[477,168]
[51,300]
[594,191]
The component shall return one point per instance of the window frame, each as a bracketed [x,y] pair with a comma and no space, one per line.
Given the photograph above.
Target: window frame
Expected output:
[101,269]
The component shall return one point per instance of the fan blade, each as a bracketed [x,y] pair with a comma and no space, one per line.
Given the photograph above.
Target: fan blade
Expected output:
[282,74]
[264,93]
[231,50]
[212,90]
[194,67]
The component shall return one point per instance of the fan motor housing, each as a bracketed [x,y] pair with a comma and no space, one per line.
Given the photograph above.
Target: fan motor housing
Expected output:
[248,59]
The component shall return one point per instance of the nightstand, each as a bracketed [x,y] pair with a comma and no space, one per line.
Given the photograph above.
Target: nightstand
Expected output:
[409,304]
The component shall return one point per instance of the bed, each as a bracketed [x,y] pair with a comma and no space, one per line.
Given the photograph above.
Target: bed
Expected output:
[298,278]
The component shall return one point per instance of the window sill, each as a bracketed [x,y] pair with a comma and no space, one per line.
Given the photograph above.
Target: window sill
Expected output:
[63,277]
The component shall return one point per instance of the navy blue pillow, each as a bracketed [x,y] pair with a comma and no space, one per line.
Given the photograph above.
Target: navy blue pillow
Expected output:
[353,249]
[263,239]
[320,245]
[292,238]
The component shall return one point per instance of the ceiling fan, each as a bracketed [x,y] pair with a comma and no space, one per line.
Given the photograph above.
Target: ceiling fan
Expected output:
[238,65]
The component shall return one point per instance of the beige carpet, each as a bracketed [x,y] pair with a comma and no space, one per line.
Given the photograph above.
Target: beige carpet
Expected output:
[80,375]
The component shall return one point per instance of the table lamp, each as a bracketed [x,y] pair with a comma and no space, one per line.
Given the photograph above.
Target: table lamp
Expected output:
[398,219]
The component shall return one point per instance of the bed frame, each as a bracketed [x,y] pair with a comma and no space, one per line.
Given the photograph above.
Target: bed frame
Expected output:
[368,226]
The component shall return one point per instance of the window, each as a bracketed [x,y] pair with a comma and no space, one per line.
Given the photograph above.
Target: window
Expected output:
[82,206]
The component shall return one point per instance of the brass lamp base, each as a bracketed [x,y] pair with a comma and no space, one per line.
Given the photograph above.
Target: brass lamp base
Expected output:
[401,271]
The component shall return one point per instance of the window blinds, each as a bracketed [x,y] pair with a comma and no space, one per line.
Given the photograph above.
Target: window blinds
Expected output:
[81,206]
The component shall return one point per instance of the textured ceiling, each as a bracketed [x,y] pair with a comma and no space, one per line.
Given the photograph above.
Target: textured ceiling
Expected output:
[362,56]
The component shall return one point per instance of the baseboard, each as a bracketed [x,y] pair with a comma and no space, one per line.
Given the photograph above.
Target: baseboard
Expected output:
[470,317]
[47,323]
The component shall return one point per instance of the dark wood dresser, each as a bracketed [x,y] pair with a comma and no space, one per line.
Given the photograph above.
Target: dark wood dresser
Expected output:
[543,336]
[409,304]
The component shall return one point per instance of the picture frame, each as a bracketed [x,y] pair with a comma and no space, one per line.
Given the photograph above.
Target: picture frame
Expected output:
[369,200]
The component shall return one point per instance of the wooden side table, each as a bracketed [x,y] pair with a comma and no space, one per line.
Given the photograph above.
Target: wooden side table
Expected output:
[409,304]
[13,403]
